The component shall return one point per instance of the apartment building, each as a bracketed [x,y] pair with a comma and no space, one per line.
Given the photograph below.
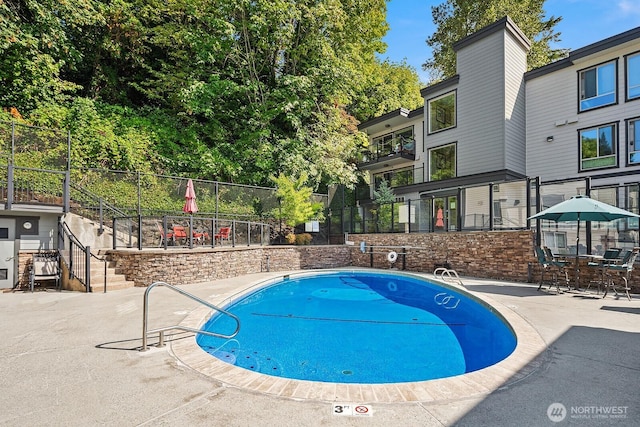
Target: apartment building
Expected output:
[495,124]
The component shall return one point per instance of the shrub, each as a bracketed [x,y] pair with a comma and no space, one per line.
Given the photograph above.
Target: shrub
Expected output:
[290,238]
[303,239]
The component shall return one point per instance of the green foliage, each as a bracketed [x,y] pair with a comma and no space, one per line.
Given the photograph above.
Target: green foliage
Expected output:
[456,19]
[383,197]
[385,87]
[383,194]
[296,206]
[219,90]
[303,239]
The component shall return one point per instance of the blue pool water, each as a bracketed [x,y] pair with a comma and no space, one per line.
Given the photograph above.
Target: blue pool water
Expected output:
[360,327]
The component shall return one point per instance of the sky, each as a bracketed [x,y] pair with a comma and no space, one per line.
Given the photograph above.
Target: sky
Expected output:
[583,22]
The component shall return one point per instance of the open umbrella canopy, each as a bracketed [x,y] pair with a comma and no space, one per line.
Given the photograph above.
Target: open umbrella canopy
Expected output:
[190,205]
[583,208]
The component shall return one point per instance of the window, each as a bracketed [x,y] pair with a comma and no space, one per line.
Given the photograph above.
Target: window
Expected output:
[633,76]
[633,140]
[442,112]
[393,142]
[395,178]
[442,162]
[598,86]
[598,147]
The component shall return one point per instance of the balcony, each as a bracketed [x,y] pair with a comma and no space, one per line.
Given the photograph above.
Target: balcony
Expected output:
[393,152]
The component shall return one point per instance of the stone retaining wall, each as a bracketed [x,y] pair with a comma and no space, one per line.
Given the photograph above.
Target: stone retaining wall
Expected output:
[502,255]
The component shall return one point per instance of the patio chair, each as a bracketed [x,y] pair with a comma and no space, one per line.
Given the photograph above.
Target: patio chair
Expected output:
[553,266]
[168,235]
[179,233]
[609,257]
[222,234]
[623,270]
[44,267]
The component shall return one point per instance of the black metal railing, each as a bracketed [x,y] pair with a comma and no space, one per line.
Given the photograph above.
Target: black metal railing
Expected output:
[77,258]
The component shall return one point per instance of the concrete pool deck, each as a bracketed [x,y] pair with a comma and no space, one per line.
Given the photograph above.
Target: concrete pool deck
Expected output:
[72,359]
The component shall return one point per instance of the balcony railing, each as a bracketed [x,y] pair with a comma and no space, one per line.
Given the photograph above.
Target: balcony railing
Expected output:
[396,150]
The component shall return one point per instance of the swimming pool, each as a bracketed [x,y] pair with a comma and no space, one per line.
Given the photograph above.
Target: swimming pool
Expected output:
[365,327]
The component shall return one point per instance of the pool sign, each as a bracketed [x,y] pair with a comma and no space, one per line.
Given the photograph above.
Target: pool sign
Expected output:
[352,410]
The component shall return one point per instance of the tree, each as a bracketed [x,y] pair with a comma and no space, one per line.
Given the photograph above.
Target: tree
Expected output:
[383,197]
[296,204]
[456,19]
[385,87]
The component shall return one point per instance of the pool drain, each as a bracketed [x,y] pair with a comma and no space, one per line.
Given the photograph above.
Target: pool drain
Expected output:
[347,372]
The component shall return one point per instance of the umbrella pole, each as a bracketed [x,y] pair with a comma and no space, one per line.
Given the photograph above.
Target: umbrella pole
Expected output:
[576,270]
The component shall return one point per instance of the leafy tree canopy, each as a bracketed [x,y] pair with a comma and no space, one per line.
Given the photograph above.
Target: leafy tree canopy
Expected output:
[230,90]
[296,204]
[456,19]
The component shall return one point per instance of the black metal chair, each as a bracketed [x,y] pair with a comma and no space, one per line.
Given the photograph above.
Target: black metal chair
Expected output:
[623,270]
[552,265]
[608,258]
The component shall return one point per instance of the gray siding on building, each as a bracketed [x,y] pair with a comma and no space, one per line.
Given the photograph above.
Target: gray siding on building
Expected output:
[552,110]
[481,106]
[515,105]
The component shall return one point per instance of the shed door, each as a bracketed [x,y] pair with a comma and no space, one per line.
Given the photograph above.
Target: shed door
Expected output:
[7,252]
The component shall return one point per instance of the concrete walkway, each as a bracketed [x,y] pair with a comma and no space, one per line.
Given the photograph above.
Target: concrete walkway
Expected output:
[72,359]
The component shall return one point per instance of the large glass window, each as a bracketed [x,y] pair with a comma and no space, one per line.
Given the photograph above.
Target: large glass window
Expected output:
[598,147]
[394,142]
[442,162]
[633,141]
[395,178]
[442,112]
[598,86]
[633,76]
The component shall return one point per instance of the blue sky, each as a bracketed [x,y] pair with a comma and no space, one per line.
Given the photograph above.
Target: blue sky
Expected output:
[583,22]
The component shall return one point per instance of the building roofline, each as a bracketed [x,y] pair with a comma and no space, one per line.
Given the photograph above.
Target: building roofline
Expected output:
[547,69]
[605,44]
[503,24]
[583,52]
[403,112]
[436,87]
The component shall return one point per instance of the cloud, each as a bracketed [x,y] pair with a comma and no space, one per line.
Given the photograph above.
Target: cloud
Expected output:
[629,7]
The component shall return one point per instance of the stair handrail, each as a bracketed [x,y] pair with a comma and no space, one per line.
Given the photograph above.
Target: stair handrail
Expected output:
[87,254]
[103,205]
[161,331]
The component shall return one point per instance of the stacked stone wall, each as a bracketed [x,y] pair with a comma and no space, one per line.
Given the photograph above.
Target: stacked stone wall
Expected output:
[501,255]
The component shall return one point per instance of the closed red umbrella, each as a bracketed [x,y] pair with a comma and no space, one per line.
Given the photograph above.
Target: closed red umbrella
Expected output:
[439,218]
[190,205]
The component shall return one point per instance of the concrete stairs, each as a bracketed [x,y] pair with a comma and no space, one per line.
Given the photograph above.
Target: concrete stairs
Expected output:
[115,281]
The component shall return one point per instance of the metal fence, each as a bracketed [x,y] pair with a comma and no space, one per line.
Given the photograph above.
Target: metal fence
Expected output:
[502,206]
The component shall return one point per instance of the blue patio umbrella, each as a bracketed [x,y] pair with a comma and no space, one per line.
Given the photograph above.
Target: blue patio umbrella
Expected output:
[582,208]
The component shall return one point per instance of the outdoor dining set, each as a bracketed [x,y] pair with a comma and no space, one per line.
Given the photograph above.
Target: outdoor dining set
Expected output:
[614,264]
[611,270]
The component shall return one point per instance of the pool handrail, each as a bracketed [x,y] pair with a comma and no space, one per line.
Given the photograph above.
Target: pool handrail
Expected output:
[145,315]
[451,275]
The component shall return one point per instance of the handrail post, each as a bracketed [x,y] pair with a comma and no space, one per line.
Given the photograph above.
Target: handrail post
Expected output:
[10,185]
[87,270]
[139,232]
[66,192]
[114,233]
[233,233]
[100,217]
